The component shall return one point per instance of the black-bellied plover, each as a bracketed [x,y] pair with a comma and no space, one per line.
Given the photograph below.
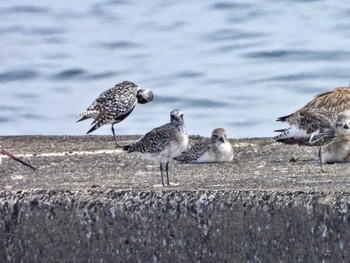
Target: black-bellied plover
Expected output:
[338,150]
[215,149]
[312,124]
[115,104]
[163,143]
[4,152]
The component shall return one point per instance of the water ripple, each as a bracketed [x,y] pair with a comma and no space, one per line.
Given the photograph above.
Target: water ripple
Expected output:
[193,102]
[229,34]
[25,9]
[189,74]
[297,55]
[4,119]
[103,75]
[70,74]
[16,75]
[9,108]
[30,31]
[229,6]
[32,116]
[119,45]
[325,74]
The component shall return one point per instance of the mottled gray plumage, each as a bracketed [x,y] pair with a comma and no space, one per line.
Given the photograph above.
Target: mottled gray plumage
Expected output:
[115,104]
[312,124]
[215,149]
[163,143]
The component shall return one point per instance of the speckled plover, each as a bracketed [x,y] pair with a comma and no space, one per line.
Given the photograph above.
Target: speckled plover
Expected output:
[215,149]
[338,150]
[163,143]
[312,124]
[4,152]
[115,104]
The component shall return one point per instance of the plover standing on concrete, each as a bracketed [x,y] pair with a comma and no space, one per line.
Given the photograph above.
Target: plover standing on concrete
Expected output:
[338,150]
[4,152]
[312,124]
[115,104]
[163,143]
[215,149]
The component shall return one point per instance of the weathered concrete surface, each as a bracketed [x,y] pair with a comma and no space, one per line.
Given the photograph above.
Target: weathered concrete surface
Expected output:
[270,204]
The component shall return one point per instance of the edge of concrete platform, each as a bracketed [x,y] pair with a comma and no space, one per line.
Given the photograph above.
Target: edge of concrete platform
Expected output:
[173,226]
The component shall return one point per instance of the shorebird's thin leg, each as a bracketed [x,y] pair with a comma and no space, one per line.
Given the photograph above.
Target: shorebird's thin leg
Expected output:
[313,135]
[161,172]
[115,138]
[167,174]
[320,158]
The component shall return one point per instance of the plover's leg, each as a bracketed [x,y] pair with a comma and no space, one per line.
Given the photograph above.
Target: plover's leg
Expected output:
[167,174]
[313,135]
[320,158]
[161,172]
[115,138]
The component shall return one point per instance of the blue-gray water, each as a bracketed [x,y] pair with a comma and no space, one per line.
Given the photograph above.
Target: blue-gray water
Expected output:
[232,64]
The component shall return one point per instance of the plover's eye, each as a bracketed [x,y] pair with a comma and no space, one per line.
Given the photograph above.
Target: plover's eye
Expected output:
[338,124]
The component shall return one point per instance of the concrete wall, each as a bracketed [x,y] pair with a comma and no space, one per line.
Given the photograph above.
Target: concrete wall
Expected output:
[165,226]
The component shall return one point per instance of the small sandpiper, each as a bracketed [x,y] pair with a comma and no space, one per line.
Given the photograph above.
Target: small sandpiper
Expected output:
[163,143]
[312,124]
[215,149]
[338,150]
[115,104]
[4,152]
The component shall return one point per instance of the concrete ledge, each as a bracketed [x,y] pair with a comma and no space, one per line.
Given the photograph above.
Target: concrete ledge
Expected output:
[171,226]
[89,202]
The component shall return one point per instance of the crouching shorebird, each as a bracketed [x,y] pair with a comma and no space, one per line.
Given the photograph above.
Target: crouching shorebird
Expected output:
[163,143]
[338,150]
[312,124]
[215,149]
[4,152]
[115,104]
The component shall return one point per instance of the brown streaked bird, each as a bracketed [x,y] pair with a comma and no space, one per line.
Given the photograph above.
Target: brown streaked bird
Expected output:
[4,152]
[338,150]
[209,150]
[115,104]
[313,123]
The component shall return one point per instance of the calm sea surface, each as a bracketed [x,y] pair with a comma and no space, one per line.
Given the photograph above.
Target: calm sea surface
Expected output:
[232,64]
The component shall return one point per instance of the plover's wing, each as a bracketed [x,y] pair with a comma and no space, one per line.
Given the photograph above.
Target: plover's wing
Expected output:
[313,122]
[108,116]
[333,101]
[113,106]
[307,128]
[115,102]
[152,142]
[195,152]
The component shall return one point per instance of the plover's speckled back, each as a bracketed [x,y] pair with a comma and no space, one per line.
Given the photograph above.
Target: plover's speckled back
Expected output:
[163,143]
[115,104]
[4,152]
[215,149]
[338,150]
[312,124]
